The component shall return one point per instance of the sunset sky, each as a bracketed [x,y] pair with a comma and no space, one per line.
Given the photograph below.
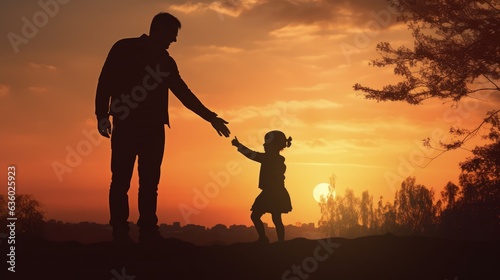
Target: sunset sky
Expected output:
[259,64]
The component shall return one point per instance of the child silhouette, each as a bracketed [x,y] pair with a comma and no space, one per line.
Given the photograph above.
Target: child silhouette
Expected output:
[274,197]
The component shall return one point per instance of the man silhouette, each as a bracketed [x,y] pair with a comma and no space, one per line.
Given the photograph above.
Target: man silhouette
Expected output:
[133,88]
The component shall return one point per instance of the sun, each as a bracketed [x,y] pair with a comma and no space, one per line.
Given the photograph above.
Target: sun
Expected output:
[320,190]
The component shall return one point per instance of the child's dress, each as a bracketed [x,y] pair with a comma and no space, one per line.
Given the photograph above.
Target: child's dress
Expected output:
[274,197]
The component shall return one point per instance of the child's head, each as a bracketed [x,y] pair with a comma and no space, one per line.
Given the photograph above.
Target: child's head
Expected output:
[276,141]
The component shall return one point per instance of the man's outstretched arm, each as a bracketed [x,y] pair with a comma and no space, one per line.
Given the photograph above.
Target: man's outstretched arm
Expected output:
[188,99]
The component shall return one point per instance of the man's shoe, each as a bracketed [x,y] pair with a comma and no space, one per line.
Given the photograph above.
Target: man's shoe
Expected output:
[262,241]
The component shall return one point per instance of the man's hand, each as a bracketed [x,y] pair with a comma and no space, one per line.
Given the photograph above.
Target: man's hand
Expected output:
[220,126]
[104,127]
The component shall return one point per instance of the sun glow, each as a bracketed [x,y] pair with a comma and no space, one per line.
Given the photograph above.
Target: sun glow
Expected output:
[322,190]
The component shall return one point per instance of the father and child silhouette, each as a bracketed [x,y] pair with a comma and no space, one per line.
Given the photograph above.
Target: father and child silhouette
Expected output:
[133,89]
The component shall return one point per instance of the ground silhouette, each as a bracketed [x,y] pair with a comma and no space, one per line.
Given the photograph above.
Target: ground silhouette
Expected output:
[372,257]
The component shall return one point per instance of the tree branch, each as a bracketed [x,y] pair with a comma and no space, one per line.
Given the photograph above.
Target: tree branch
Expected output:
[458,144]
[491,81]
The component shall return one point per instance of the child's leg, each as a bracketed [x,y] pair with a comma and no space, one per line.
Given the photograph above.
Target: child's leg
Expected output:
[259,226]
[280,228]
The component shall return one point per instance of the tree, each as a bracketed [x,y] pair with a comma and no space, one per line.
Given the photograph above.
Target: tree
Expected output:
[462,46]
[455,54]
[378,220]
[220,228]
[450,194]
[329,221]
[348,208]
[480,177]
[388,216]
[340,215]
[29,214]
[414,205]
[480,181]
[366,211]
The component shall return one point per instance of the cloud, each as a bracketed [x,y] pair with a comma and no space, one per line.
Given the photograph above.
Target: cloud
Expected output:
[340,164]
[285,110]
[42,66]
[221,49]
[294,31]
[380,127]
[345,127]
[37,89]
[189,7]
[297,12]
[313,58]
[316,143]
[215,53]
[323,11]
[4,90]
[233,8]
[322,146]
[309,104]
[316,87]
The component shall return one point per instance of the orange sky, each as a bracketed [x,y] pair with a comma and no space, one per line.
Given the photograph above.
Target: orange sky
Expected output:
[261,65]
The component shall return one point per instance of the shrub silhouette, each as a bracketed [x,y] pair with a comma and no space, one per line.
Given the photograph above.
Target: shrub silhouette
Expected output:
[29,213]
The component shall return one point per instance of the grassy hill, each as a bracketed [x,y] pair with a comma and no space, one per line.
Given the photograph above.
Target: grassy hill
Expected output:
[373,257]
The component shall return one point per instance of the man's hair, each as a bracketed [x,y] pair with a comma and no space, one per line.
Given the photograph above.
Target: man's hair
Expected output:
[164,20]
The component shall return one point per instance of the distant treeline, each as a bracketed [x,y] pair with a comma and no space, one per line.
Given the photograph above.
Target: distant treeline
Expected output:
[31,223]
[88,232]
[470,212]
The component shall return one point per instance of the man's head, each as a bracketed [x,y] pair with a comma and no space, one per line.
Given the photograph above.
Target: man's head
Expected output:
[164,29]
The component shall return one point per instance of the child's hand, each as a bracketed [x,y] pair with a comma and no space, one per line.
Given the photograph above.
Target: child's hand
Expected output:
[235,142]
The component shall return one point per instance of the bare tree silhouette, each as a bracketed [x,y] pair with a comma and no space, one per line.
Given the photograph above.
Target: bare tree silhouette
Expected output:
[29,213]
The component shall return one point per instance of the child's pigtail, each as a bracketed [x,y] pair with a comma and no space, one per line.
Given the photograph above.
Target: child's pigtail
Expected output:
[289,142]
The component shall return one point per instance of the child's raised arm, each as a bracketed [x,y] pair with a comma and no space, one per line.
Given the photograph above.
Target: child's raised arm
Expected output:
[253,155]
[235,142]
